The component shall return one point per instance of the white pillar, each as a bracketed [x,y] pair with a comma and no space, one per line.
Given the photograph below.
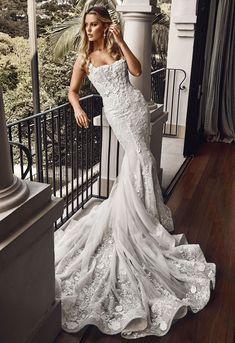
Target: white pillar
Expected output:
[13,191]
[138,17]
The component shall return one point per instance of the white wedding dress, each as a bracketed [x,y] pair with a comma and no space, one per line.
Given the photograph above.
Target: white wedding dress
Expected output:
[118,267]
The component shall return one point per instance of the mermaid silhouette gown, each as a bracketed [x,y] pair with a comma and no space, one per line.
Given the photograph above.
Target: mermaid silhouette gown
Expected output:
[118,267]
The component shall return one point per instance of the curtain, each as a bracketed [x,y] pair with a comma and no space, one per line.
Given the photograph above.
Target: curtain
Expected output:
[217,107]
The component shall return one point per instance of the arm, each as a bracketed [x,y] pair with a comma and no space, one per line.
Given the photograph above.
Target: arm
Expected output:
[76,81]
[133,63]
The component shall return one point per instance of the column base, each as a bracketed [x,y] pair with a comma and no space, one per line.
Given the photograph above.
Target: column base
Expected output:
[152,105]
[27,272]
[13,195]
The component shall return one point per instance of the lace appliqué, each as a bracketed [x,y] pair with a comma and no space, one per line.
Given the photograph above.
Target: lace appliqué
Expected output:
[118,268]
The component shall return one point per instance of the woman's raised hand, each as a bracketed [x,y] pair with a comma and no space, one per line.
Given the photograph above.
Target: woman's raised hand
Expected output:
[82,119]
[117,33]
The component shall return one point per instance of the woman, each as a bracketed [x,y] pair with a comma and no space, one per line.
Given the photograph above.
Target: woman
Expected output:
[119,268]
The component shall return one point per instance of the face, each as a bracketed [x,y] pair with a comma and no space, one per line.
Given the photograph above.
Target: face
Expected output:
[94,28]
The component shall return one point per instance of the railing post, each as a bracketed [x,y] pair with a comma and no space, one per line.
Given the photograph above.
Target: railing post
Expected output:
[13,191]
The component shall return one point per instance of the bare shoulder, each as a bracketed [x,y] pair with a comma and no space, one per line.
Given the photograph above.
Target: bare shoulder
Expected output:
[80,67]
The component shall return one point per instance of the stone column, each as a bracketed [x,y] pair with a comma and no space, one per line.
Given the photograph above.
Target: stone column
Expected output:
[28,310]
[138,16]
[13,191]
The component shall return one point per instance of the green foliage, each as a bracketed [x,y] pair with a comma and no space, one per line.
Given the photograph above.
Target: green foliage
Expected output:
[13,17]
[51,13]
[15,76]
[54,75]
[64,37]
[14,20]
[8,71]
[160,30]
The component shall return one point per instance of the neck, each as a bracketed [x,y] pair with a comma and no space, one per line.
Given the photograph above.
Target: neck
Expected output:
[99,44]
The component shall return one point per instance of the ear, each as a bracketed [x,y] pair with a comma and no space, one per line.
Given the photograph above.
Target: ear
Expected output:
[106,28]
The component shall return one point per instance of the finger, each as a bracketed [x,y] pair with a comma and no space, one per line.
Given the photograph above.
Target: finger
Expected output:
[81,121]
[87,124]
[78,123]
[77,120]
[86,119]
[115,32]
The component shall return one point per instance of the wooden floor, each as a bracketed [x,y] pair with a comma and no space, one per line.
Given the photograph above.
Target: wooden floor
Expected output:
[203,207]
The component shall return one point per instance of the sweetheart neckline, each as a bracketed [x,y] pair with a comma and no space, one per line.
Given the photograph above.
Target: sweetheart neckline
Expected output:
[105,65]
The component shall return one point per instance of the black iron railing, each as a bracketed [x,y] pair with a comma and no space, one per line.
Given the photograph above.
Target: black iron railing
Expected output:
[28,155]
[73,160]
[167,86]
[70,157]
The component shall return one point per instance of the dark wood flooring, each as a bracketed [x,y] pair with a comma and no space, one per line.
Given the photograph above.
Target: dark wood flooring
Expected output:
[203,207]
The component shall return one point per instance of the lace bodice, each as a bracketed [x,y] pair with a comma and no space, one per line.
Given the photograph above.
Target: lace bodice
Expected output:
[113,79]
[113,84]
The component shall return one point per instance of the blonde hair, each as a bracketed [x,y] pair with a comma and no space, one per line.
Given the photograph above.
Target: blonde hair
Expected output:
[85,46]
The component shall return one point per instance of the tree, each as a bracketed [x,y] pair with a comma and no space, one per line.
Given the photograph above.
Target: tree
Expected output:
[13,17]
[54,74]
[15,76]
[160,30]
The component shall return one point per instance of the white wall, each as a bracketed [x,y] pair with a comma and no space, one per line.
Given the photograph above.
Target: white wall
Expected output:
[180,46]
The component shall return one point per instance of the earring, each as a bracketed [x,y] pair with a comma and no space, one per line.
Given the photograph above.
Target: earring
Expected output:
[105,32]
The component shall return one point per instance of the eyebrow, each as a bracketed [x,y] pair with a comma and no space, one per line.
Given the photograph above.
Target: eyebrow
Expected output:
[92,22]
